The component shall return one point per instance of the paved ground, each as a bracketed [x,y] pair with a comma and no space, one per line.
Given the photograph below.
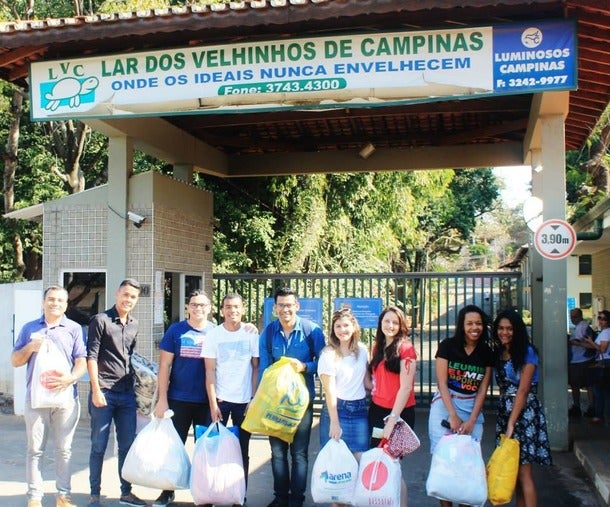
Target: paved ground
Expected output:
[566,484]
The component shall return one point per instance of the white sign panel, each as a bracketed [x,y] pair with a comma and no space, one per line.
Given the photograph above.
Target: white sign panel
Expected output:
[318,72]
[555,239]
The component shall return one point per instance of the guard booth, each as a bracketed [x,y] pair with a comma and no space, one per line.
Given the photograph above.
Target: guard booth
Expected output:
[327,86]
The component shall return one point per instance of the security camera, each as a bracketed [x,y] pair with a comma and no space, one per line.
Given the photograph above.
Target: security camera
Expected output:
[137,220]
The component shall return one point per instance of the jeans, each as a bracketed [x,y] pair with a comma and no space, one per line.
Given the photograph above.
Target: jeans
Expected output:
[237,411]
[353,419]
[60,423]
[601,389]
[289,484]
[120,407]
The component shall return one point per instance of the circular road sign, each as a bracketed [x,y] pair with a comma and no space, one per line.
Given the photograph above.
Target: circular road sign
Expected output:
[555,239]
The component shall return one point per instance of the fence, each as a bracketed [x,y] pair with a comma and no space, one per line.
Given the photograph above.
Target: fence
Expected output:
[431,302]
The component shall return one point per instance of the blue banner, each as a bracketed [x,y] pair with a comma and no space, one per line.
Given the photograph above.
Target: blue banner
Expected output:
[535,57]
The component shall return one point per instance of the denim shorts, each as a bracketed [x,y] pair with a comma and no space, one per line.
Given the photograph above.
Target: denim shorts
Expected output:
[353,418]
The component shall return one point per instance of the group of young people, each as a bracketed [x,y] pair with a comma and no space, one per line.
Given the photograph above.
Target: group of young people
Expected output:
[210,373]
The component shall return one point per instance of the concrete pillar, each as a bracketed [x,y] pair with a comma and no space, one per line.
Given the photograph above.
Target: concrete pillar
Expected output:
[120,168]
[183,172]
[535,257]
[554,371]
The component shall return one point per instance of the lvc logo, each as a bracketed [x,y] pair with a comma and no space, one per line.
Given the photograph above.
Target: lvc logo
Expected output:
[68,92]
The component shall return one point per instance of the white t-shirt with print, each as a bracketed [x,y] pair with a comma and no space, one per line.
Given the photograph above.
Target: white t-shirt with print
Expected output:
[348,371]
[233,351]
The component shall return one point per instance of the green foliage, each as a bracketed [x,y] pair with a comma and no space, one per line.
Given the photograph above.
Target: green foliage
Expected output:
[111,6]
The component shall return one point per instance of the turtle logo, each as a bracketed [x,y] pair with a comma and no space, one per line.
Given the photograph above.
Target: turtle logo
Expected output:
[68,91]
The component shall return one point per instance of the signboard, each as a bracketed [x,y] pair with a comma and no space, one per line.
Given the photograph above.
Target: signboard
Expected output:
[366,310]
[317,72]
[310,308]
[555,239]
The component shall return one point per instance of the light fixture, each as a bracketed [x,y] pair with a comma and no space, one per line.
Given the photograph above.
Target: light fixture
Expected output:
[532,213]
[367,151]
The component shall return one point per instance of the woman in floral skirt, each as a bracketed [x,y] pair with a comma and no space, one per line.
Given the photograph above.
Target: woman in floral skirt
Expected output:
[520,413]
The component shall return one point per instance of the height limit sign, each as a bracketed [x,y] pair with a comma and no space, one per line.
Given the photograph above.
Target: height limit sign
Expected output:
[555,239]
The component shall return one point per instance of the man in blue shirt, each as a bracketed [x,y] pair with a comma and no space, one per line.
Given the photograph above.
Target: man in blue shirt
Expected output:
[302,341]
[51,331]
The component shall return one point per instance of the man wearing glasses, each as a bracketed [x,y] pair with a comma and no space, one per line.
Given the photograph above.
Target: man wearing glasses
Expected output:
[302,341]
[181,378]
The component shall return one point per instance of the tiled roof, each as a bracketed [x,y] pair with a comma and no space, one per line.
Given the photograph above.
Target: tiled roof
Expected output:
[475,121]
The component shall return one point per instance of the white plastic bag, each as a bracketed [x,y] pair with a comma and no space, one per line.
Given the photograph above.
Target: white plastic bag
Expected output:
[49,362]
[457,471]
[157,457]
[379,479]
[217,474]
[334,474]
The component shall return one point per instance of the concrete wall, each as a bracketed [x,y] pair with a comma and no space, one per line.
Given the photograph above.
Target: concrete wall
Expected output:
[8,330]
[601,278]
[578,284]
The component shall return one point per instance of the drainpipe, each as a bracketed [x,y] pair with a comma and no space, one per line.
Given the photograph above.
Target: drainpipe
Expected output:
[596,233]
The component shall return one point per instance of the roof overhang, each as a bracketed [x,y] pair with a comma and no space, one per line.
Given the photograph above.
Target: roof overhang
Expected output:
[478,132]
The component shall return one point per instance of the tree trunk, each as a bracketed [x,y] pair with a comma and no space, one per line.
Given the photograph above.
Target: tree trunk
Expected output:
[10,155]
[69,144]
[10,168]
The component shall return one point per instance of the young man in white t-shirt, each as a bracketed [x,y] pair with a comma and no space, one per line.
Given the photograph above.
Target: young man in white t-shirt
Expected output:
[231,369]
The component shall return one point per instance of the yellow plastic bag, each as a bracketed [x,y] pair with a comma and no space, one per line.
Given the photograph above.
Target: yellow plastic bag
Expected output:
[502,470]
[280,402]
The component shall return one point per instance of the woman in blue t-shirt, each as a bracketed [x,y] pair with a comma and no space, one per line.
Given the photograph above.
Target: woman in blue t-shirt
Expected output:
[520,413]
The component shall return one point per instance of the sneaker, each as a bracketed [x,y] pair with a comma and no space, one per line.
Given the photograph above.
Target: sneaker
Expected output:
[94,501]
[34,502]
[64,501]
[595,420]
[132,499]
[165,498]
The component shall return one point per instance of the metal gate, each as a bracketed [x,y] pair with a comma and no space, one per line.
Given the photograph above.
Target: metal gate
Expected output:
[431,302]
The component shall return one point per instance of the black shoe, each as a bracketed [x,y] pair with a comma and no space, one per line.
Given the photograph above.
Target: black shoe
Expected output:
[279,503]
[165,498]
[574,411]
[132,500]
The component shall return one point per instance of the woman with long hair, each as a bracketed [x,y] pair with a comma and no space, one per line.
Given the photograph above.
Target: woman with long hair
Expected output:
[463,366]
[392,368]
[342,368]
[520,413]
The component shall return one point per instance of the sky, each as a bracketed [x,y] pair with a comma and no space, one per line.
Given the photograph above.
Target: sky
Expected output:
[517,181]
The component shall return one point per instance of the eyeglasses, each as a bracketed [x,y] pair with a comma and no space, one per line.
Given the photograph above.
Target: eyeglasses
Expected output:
[281,306]
[602,318]
[199,305]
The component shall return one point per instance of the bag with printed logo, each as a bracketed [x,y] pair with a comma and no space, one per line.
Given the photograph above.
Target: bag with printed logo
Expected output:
[379,479]
[49,363]
[334,474]
[280,402]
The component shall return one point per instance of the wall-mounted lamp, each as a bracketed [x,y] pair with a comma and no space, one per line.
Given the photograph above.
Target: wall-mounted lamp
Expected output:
[367,151]
[537,168]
